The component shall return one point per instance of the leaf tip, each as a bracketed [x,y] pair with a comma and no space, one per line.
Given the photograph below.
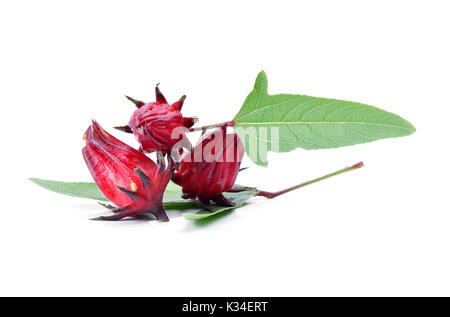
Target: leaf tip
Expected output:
[35,180]
[408,126]
[261,82]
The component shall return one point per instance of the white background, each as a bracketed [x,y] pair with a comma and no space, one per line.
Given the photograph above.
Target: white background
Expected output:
[380,230]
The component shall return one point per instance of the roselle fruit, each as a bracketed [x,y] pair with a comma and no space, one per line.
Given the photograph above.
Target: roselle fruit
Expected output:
[158,126]
[211,168]
[127,177]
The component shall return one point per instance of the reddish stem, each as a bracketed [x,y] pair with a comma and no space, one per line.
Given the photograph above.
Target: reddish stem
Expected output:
[211,126]
[284,191]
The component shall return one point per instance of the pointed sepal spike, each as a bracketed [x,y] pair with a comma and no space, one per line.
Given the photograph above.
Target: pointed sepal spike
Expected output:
[133,195]
[189,121]
[237,189]
[107,206]
[138,103]
[125,128]
[179,104]
[204,203]
[161,215]
[221,200]
[146,181]
[116,216]
[159,96]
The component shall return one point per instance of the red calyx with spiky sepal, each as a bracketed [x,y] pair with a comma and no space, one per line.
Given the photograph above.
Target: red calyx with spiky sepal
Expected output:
[154,123]
[211,168]
[126,176]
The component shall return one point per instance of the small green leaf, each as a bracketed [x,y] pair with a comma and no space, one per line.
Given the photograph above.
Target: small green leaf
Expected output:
[281,123]
[172,196]
[91,190]
[75,189]
[238,199]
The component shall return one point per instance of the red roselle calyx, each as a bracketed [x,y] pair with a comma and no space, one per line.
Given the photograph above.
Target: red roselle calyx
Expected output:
[126,176]
[211,168]
[158,126]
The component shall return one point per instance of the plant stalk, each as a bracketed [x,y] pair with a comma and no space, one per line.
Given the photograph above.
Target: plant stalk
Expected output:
[211,126]
[284,191]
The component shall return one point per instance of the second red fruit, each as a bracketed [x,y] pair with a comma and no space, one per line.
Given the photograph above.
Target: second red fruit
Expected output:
[211,168]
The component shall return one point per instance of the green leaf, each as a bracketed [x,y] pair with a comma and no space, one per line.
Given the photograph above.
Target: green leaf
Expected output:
[281,123]
[91,190]
[171,199]
[239,199]
[78,189]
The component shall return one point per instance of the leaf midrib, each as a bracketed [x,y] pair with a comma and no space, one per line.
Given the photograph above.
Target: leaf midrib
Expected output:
[319,122]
